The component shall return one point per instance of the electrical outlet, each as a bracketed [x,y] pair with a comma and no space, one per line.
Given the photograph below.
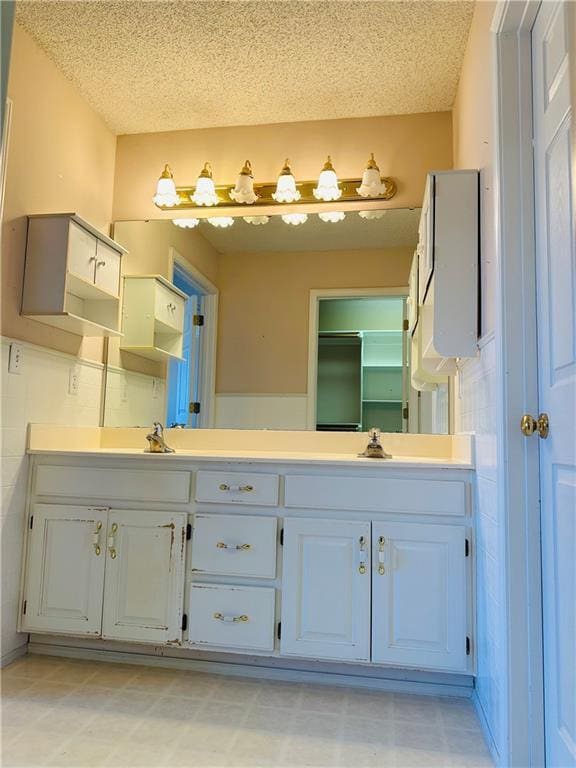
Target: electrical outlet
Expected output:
[73,381]
[155,389]
[15,358]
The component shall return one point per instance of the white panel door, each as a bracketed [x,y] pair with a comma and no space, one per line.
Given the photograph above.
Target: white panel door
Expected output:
[419,595]
[556,287]
[107,275]
[65,570]
[143,593]
[326,589]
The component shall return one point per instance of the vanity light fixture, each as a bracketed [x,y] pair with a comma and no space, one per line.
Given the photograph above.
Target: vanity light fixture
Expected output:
[327,188]
[205,192]
[221,221]
[286,191]
[166,190]
[256,220]
[369,215]
[243,192]
[186,223]
[332,217]
[294,218]
[372,185]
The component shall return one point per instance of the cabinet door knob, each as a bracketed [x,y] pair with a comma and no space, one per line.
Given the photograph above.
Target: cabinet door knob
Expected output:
[231,619]
[362,565]
[96,538]
[112,542]
[101,264]
[234,547]
[381,544]
[529,425]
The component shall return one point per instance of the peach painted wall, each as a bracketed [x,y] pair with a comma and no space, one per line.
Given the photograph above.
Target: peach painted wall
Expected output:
[406,147]
[60,158]
[264,306]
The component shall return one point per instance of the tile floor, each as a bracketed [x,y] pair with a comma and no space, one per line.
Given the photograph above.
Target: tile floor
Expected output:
[58,712]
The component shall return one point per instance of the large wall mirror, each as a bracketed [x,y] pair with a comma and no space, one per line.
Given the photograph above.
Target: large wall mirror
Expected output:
[264,324]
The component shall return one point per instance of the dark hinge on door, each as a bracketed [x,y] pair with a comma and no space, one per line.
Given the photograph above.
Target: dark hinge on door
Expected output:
[279,630]
[281,537]
[405,413]
[31,522]
[197,319]
[188,532]
[24,606]
[405,325]
[466,547]
[194,408]
[467,646]
[184,622]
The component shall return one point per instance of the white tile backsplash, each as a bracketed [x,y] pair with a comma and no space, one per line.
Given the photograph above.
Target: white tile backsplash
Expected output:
[38,394]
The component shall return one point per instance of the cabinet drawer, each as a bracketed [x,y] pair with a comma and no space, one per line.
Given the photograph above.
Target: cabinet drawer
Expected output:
[113,484]
[107,269]
[81,252]
[235,545]
[237,488]
[234,617]
[168,307]
[421,497]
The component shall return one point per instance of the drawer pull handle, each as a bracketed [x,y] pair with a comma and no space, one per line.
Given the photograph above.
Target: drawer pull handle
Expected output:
[231,619]
[96,538]
[233,547]
[111,541]
[236,488]
[362,566]
[381,543]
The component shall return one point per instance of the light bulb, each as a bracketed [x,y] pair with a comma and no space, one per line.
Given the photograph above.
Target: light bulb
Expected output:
[256,220]
[332,217]
[243,192]
[294,218]
[221,221]
[186,223]
[372,214]
[371,182]
[205,192]
[327,188]
[166,194]
[286,191]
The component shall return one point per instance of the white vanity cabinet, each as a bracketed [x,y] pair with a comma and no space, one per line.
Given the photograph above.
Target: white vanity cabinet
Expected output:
[100,572]
[72,276]
[152,317]
[326,589]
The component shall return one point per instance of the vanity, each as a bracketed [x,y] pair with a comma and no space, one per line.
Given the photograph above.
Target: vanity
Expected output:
[253,546]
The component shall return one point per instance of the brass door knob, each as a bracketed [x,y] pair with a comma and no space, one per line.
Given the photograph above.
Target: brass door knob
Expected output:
[529,425]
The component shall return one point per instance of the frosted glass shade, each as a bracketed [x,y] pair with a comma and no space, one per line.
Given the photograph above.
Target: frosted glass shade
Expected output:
[256,220]
[243,192]
[332,217]
[327,188]
[186,223]
[371,214]
[166,190]
[371,184]
[204,192]
[294,218]
[221,221]
[286,191]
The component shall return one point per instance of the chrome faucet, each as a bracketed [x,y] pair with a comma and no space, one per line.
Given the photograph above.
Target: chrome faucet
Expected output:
[156,440]
[374,448]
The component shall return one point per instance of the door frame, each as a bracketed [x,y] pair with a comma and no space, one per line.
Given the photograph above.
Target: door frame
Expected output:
[332,293]
[517,380]
[208,377]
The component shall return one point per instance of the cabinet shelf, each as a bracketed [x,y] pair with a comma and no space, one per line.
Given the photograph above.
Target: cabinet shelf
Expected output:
[381,401]
[76,324]
[152,353]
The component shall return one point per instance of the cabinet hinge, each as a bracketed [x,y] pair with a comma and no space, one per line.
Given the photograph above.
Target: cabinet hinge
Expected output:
[24,606]
[194,408]
[405,413]
[188,532]
[466,547]
[281,537]
[197,319]
[405,325]
[467,646]
[31,522]
[279,630]
[184,622]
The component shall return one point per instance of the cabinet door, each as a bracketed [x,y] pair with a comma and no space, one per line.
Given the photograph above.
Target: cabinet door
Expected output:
[169,307]
[81,252]
[419,595]
[143,593]
[326,589]
[65,570]
[107,276]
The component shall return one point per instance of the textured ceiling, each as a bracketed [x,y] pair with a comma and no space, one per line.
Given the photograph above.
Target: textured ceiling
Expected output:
[159,66]
[399,227]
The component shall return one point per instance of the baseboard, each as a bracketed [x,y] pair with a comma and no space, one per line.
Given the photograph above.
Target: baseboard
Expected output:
[486,732]
[239,669]
[16,653]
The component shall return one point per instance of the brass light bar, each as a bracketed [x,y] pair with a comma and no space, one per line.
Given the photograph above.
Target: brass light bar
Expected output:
[264,192]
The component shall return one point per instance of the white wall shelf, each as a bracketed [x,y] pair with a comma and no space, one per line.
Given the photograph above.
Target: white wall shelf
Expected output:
[72,276]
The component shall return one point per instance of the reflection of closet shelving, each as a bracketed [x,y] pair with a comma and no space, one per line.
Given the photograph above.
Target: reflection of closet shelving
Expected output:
[153,317]
[72,276]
